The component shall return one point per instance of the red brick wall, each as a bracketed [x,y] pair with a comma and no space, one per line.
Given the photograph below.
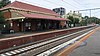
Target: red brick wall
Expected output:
[28,39]
[33,27]
[7,14]
[15,26]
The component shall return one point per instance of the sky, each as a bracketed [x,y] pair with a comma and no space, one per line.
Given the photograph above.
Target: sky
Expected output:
[68,5]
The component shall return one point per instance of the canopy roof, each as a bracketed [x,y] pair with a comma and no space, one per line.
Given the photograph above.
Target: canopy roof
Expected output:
[40,16]
[29,7]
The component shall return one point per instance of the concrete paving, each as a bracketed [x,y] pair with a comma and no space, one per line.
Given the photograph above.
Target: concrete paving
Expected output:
[91,49]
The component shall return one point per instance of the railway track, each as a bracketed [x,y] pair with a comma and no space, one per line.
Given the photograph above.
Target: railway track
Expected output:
[38,48]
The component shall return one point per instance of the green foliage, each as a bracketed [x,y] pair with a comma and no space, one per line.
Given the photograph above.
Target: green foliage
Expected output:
[83,22]
[90,20]
[95,20]
[76,20]
[2,19]
[86,17]
[4,3]
[73,20]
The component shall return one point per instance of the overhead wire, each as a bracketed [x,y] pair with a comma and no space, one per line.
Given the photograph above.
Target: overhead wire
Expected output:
[46,1]
[95,13]
[49,2]
[53,2]
[35,3]
[78,3]
[69,4]
[61,5]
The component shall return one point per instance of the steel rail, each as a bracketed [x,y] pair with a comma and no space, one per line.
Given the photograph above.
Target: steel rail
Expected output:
[43,46]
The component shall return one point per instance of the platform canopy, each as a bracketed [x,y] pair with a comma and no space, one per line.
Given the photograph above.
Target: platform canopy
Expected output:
[40,16]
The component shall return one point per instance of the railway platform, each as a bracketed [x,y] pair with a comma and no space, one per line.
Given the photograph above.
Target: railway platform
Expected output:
[46,47]
[91,49]
[23,33]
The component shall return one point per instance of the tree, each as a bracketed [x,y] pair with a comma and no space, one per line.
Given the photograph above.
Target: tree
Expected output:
[76,21]
[90,20]
[86,17]
[83,22]
[95,20]
[2,19]
[73,21]
[4,3]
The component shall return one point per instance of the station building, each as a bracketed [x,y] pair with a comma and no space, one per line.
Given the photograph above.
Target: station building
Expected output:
[25,17]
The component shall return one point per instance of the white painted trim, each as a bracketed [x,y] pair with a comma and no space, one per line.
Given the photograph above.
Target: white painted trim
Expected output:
[43,33]
[15,18]
[50,51]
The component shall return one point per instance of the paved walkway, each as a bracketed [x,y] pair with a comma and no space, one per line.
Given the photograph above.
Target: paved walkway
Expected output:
[21,34]
[91,49]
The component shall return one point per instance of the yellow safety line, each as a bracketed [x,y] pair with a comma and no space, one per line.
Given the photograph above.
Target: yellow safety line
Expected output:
[70,48]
